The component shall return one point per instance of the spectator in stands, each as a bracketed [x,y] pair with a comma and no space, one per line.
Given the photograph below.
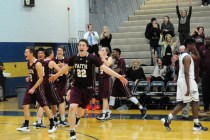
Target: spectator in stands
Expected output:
[167,27]
[149,27]
[159,70]
[155,36]
[105,38]
[183,22]
[170,70]
[199,36]
[205,71]
[168,48]
[135,72]
[2,82]
[93,39]
[203,2]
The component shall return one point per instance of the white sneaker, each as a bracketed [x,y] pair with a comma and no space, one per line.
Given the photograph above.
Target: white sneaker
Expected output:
[52,129]
[201,5]
[23,129]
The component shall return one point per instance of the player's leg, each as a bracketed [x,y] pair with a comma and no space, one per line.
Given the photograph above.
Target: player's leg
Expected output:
[197,124]
[167,120]
[25,126]
[27,100]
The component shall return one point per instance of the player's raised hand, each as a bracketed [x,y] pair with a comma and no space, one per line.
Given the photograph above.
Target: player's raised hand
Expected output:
[123,80]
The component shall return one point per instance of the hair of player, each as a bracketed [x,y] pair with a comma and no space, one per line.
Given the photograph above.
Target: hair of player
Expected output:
[117,50]
[62,47]
[189,41]
[107,50]
[48,52]
[31,49]
[84,40]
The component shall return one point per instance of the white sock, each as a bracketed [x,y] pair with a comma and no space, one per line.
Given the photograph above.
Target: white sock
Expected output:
[109,111]
[196,121]
[134,100]
[170,116]
[140,106]
[63,118]
[39,120]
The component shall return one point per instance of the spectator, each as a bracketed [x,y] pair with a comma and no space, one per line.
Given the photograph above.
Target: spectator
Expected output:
[149,26]
[92,37]
[203,2]
[170,70]
[2,81]
[135,72]
[105,38]
[167,27]
[159,70]
[155,36]
[168,47]
[199,36]
[205,71]
[184,22]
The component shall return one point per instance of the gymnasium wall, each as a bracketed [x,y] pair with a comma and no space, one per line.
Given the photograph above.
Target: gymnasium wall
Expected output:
[48,22]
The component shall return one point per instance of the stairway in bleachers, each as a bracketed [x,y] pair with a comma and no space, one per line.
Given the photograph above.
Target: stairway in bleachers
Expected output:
[130,35]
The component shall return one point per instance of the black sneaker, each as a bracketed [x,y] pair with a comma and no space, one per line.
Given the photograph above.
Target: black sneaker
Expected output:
[73,135]
[23,128]
[52,129]
[40,125]
[143,112]
[108,116]
[199,127]
[166,121]
[77,121]
[63,123]
[101,118]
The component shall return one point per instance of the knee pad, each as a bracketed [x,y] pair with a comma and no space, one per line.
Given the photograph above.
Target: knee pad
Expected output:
[134,100]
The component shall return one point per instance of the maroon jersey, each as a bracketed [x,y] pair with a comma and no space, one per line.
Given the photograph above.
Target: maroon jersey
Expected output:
[47,71]
[120,63]
[33,73]
[58,61]
[84,69]
[102,74]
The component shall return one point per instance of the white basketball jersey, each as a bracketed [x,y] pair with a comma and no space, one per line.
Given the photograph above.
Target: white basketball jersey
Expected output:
[181,67]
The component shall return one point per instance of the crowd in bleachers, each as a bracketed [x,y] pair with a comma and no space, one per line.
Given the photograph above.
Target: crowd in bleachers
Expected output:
[165,48]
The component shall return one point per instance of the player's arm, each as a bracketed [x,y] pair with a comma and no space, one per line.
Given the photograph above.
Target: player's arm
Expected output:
[113,73]
[52,64]
[60,72]
[186,63]
[39,70]
[108,62]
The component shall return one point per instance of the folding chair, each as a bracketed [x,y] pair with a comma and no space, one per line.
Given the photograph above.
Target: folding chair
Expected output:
[155,95]
[170,92]
[142,87]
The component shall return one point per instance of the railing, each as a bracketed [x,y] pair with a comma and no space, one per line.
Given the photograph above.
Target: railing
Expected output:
[112,13]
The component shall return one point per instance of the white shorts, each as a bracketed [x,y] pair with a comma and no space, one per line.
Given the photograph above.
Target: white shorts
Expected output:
[182,89]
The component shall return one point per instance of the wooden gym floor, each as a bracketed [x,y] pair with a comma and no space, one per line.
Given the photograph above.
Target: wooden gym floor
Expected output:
[125,125]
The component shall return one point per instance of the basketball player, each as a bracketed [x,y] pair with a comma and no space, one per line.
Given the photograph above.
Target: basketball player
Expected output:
[83,88]
[41,54]
[187,91]
[61,84]
[40,111]
[118,90]
[104,82]
[35,91]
